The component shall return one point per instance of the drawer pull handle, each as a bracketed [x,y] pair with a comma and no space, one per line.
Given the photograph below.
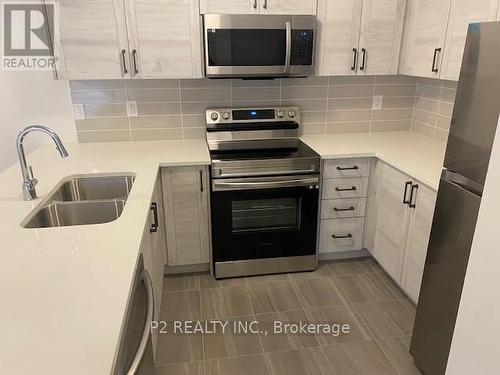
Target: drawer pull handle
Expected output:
[343,209]
[347,168]
[346,189]
[341,236]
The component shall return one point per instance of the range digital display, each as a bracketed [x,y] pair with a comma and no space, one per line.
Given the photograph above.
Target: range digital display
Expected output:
[253,114]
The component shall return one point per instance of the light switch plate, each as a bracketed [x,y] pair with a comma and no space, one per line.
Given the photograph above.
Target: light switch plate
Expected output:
[378,101]
[78,112]
[132,109]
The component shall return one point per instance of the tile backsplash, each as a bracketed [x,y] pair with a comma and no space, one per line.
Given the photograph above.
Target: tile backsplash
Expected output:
[175,109]
[434,101]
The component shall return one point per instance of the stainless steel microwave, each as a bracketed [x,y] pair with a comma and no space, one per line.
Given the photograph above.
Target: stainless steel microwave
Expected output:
[259,45]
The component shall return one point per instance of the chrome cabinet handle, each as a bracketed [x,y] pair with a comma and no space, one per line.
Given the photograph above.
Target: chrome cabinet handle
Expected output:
[254,4]
[347,168]
[340,236]
[288,53]
[124,62]
[154,226]
[435,69]
[408,183]
[346,189]
[363,60]
[146,332]
[265,4]
[355,59]
[413,191]
[201,181]
[343,209]
[134,62]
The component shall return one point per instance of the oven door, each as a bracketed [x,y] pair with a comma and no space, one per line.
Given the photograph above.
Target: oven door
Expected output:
[257,45]
[264,217]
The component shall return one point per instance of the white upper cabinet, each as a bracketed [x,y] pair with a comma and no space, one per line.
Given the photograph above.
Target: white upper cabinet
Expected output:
[380,38]
[164,38]
[436,32]
[359,36]
[230,6]
[462,13]
[288,6]
[259,6]
[93,39]
[337,36]
[427,21]
[108,39]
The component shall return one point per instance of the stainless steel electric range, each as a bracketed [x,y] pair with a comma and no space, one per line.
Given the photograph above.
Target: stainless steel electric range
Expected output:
[264,192]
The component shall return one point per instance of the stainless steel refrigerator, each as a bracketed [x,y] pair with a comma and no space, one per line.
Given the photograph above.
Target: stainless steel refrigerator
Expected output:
[473,127]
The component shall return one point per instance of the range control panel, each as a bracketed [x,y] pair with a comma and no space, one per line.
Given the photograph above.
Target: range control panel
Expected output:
[233,115]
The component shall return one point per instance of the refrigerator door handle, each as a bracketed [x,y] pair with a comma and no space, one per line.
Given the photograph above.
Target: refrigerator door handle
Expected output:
[463,182]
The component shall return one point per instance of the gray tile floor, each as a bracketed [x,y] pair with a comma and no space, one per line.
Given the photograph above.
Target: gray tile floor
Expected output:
[354,292]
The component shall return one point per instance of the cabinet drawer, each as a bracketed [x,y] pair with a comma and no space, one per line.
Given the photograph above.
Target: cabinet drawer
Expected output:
[341,234]
[345,188]
[342,168]
[341,208]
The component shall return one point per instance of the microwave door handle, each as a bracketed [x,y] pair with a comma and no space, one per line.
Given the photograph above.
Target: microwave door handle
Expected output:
[288,53]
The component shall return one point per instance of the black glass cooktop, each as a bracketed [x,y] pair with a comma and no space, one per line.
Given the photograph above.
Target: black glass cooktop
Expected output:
[301,151]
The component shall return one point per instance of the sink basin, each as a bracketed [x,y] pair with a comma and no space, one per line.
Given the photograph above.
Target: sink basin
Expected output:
[89,199]
[62,214]
[94,187]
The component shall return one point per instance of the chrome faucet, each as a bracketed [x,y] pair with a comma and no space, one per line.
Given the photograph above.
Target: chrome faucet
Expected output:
[29,181]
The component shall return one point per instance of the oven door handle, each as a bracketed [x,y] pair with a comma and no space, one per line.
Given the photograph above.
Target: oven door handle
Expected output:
[249,185]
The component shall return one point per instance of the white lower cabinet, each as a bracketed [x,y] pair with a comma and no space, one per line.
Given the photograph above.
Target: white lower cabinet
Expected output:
[418,239]
[341,234]
[398,222]
[185,195]
[343,203]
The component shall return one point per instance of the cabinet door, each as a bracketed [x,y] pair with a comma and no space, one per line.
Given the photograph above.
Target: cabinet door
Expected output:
[462,13]
[158,244]
[165,38]
[230,6]
[427,21]
[185,191]
[288,6]
[93,36]
[387,218]
[418,239]
[380,38]
[337,36]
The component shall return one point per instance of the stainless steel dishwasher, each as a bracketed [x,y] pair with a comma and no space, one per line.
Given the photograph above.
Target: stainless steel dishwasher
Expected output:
[135,355]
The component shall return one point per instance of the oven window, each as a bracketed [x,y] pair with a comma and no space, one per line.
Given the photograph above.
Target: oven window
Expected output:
[245,47]
[256,215]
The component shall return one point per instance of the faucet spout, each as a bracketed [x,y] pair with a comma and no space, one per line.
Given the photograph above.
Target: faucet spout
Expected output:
[29,181]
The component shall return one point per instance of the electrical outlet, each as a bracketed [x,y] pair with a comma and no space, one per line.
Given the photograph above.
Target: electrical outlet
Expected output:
[378,101]
[78,112]
[132,109]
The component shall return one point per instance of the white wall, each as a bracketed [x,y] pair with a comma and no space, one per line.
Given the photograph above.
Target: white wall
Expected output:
[475,347]
[28,98]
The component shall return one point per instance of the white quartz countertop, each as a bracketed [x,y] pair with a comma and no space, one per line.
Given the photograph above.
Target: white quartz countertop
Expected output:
[64,291]
[412,153]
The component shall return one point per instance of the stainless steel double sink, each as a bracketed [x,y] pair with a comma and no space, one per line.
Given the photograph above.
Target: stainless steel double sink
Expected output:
[86,199]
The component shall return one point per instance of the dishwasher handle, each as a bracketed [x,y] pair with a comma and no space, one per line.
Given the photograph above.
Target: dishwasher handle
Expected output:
[146,333]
